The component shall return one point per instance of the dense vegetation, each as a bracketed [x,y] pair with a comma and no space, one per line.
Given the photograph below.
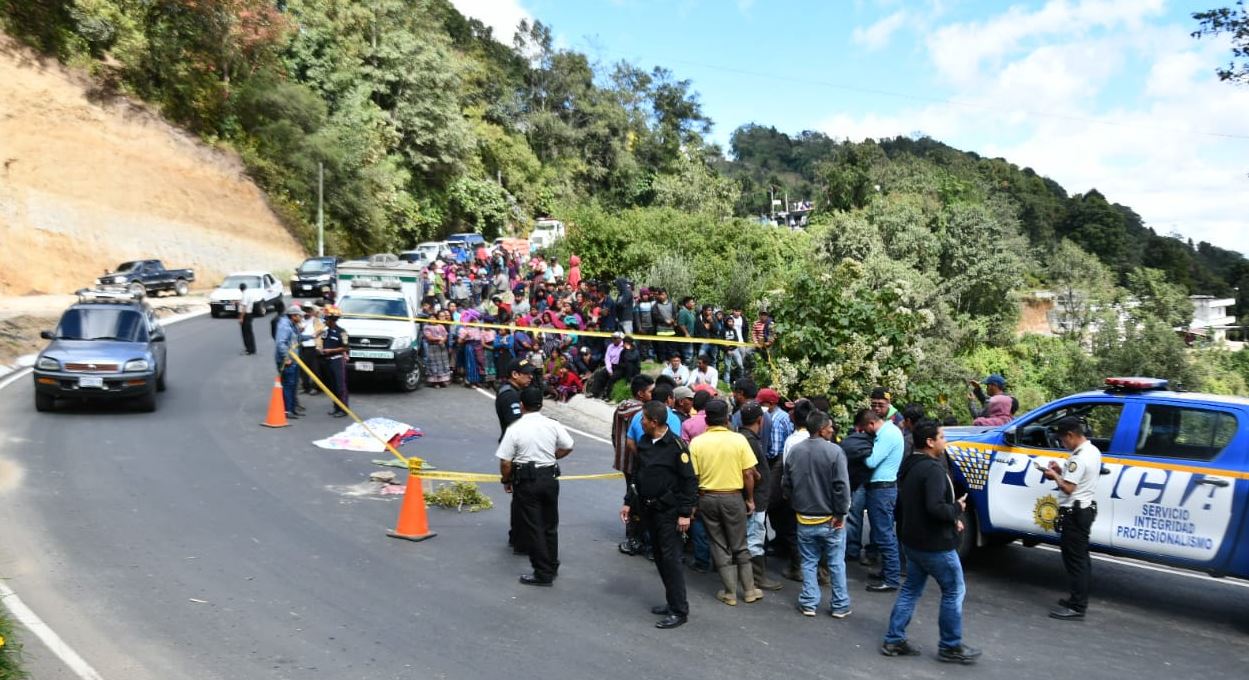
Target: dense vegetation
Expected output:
[910,275]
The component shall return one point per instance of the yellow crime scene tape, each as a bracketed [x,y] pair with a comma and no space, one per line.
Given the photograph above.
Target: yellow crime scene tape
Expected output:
[414,463]
[683,339]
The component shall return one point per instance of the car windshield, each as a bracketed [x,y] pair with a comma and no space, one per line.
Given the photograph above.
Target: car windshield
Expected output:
[374,306]
[102,324]
[314,267]
[234,281]
[127,266]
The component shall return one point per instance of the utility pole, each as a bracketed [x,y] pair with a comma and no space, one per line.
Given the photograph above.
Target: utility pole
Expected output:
[320,209]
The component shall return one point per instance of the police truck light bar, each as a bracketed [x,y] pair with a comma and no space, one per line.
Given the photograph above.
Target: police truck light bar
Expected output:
[1136,384]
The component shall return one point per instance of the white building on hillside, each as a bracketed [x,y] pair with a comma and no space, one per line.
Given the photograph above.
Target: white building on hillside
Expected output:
[1212,316]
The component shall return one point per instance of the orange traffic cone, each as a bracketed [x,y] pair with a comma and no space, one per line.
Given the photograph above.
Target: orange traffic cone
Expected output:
[277,407]
[413,525]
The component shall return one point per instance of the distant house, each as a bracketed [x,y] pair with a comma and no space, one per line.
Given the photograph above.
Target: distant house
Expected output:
[1212,317]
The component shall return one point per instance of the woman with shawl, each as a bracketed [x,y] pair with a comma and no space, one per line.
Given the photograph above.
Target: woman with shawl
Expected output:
[437,353]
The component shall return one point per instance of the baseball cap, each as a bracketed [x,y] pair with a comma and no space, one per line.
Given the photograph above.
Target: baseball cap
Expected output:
[523,366]
[768,395]
[751,413]
[704,387]
[717,409]
[617,334]
[683,392]
[294,310]
[995,379]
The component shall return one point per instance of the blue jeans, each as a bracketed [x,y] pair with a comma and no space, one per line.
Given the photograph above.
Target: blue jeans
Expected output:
[854,525]
[816,541]
[702,544]
[756,533]
[946,569]
[290,382]
[880,504]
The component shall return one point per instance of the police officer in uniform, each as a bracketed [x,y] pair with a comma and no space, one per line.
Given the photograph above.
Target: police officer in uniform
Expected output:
[1077,509]
[507,408]
[527,464]
[663,490]
[333,347]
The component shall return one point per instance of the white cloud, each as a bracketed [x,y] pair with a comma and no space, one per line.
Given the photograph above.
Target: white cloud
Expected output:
[1122,104]
[878,34]
[500,15]
[958,50]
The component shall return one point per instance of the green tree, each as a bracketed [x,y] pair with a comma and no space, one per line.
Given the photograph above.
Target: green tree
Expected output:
[1233,22]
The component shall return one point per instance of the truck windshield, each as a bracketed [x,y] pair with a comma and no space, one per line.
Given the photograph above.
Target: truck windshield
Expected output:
[314,267]
[128,266]
[234,281]
[102,324]
[374,306]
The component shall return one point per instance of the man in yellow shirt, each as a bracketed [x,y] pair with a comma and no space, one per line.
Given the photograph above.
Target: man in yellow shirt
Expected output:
[725,465]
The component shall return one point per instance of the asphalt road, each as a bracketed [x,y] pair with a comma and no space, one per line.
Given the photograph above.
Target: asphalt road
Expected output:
[112,522]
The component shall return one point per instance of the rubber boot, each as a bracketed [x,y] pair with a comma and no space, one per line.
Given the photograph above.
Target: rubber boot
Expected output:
[822,575]
[745,575]
[728,576]
[760,567]
[794,571]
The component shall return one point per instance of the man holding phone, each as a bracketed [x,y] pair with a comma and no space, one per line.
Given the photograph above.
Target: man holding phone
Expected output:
[1077,510]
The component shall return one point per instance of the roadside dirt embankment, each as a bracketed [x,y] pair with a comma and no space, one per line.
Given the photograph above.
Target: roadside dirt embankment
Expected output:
[86,184]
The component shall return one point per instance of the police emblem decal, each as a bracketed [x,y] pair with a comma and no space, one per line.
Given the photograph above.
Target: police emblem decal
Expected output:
[1045,514]
[1071,466]
[685,458]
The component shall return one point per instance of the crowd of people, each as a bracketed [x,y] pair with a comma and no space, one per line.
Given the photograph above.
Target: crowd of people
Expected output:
[723,469]
[552,313]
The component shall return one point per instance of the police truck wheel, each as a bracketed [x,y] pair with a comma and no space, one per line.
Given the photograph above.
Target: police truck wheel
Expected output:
[181,287]
[44,402]
[971,531]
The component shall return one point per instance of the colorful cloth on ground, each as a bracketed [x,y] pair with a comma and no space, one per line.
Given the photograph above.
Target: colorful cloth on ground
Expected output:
[357,438]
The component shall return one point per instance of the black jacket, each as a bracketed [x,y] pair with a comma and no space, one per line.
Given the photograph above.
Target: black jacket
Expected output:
[926,508]
[662,472]
[507,407]
[763,485]
[858,446]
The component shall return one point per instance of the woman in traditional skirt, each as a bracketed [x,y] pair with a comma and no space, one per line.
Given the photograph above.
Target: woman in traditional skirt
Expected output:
[474,356]
[437,354]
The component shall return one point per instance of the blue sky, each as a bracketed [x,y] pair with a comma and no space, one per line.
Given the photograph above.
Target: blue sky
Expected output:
[1111,94]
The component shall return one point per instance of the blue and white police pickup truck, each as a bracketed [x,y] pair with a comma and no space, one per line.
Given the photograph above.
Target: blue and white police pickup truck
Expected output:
[1175,475]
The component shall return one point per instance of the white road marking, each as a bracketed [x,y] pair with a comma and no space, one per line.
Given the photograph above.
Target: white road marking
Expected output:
[570,429]
[14,377]
[1164,570]
[25,615]
[46,635]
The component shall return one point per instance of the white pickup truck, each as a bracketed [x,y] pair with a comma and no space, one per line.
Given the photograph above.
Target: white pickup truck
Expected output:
[382,286]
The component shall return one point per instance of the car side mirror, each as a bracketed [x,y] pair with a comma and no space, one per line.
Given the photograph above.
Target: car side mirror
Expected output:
[1009,436]
[158,337]
[47,335]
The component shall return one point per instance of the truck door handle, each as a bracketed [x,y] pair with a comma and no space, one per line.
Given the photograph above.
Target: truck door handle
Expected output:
[1215,481]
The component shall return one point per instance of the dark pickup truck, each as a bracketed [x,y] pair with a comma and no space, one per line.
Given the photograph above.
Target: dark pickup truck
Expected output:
[146,277]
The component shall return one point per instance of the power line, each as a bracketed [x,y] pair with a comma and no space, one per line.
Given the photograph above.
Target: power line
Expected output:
[954,103]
